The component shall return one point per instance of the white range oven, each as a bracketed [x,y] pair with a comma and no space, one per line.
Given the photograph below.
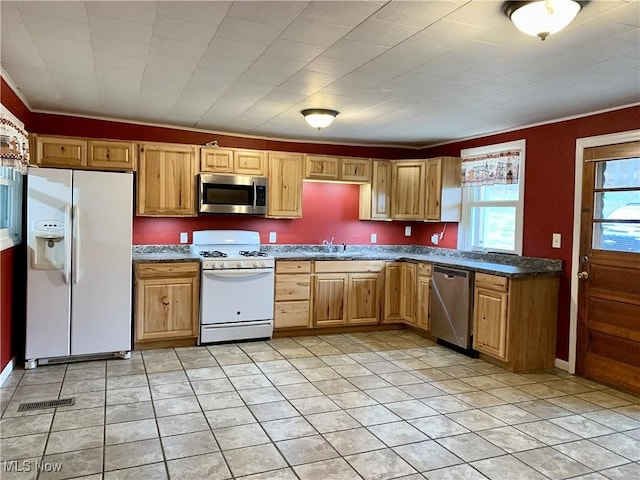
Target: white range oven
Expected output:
[236,286]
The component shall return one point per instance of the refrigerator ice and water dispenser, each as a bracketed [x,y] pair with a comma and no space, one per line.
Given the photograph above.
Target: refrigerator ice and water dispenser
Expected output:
[49,252]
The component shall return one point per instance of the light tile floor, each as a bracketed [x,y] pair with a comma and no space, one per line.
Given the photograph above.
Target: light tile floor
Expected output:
[331,407]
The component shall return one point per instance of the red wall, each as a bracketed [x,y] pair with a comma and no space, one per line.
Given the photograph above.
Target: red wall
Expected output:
[549,188]
[330,210]
[11,278]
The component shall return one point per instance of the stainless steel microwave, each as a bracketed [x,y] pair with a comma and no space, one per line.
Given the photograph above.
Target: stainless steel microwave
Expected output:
[232,194]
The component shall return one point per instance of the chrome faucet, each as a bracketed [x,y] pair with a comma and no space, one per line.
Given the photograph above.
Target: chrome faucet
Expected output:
[328,244]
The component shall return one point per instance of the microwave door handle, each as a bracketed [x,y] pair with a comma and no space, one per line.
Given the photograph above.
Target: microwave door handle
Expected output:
[255,196]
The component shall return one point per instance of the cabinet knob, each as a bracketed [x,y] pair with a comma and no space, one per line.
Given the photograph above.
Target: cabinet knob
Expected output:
[583,275]
[165,301]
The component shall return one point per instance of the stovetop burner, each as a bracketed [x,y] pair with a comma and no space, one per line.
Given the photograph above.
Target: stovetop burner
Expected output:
[252,253]
[212,254]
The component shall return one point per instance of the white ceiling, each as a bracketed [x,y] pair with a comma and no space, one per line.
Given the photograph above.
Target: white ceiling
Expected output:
[400,72]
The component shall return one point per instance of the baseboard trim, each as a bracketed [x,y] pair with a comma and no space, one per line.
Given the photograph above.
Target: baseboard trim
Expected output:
[562,364]
[6,371]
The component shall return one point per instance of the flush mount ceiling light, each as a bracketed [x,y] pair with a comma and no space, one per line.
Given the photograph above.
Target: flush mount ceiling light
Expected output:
[541,18]
[319,117]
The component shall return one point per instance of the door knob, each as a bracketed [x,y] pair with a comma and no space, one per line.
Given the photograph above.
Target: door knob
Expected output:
[583,275]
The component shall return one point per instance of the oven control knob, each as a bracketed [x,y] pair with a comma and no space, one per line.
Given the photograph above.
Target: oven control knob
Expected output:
[219,265]
[258,264]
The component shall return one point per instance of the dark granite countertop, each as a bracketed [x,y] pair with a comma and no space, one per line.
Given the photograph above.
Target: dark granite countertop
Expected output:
[163,253]
[491,263]
[497,264]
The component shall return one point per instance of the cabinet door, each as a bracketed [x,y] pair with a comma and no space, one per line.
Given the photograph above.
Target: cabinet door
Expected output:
[408,189]
[330,299]
[490,320]
[355,170]
[321,167]
[433,189]
[284,197]
[166,181]
[375,197]
[249,162]
[165,309]
[364,297]
[408,293]
[392,292]
[108,155]
[216,160]
[61,152]
[423,319]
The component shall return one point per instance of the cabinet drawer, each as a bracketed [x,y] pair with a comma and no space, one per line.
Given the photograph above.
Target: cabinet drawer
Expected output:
[293,287]
[293,267]
[167,269]
[291,314]
[348,266]
[425,269]
[492,282]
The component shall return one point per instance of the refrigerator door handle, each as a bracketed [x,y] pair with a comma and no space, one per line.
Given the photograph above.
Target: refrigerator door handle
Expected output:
[66,272]
[76,244]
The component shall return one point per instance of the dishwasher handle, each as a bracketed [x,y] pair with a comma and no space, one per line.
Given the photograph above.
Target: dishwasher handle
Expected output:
[451,273]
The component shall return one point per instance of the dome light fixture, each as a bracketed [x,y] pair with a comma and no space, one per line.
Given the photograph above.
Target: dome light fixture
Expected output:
[319,117]
[541,18]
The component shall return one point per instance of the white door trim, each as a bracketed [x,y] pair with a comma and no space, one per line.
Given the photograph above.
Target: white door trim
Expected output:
[581,144]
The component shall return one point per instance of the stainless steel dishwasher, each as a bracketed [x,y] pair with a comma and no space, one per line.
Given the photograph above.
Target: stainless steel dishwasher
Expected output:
[451,305]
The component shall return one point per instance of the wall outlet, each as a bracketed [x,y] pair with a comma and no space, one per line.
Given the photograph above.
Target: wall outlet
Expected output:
[435,238]
[407,231]
[272,237]
[184,237]
[556,240]
[374,238]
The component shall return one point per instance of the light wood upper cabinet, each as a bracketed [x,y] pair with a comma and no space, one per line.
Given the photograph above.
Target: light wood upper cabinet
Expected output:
[249,162]
[408,189]
[109,155]
[344,169]
[375,197]
[443,191]
[166,301]
[60,152]
[232,161]
[321,167]
[284,196]
[69,152]
[330,299]
[355,169]
[166,180]
[216,160]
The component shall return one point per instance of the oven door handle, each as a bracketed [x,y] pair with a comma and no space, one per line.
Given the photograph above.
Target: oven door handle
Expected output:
[239,273]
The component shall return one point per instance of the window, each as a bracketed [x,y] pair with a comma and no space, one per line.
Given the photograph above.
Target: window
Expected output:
[492,198]
[10,207]
[14,158]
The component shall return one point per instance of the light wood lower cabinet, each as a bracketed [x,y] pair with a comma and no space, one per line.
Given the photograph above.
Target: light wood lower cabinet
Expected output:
[400,293]
[292,294]
[347,292]
[166,301]
[515,320]
[423,286]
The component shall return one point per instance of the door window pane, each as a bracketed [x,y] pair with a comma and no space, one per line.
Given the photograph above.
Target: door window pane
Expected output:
[617,205]
[614,236]
[494,228]
[618,173]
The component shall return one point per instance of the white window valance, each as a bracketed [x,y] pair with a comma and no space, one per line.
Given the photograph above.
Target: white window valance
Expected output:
[14,142]
[491,169]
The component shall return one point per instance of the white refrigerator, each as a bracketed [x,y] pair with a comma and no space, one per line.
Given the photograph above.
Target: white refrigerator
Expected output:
[79,227]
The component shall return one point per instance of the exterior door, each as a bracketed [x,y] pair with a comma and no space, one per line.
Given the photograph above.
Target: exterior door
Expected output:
[608,347]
